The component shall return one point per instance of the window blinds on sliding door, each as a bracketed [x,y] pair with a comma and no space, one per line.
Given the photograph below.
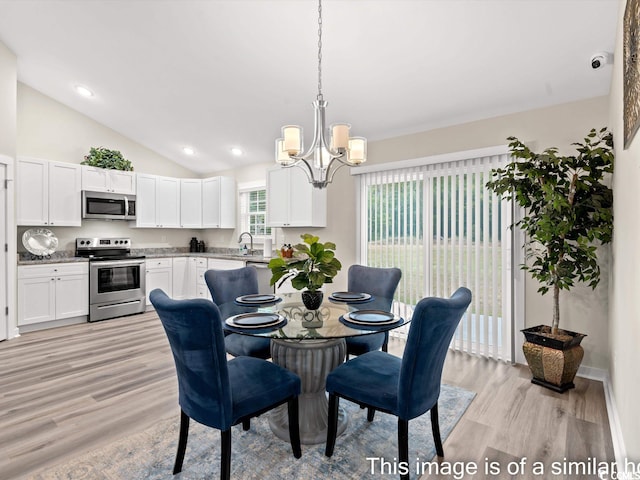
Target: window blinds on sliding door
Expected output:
[439,224]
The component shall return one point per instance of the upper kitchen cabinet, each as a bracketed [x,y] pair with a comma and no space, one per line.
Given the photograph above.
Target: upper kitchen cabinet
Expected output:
[190,203]
[48,193]
[219,202]
[107,180]
[158,201]
[292,201]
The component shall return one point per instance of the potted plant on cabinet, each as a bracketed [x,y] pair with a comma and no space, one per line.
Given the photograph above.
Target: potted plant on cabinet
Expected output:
[104,158]
[568,209]
[314,264]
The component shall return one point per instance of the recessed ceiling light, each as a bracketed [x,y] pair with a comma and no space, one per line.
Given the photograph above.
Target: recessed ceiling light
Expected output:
[188,150]
[236,151]
[84,91]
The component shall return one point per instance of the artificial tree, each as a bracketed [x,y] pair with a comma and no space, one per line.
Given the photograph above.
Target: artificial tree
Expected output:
[568,210]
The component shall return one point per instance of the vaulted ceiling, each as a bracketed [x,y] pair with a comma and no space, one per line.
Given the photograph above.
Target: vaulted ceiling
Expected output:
[218,74]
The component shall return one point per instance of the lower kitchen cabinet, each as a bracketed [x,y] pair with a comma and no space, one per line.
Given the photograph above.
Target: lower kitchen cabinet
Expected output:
[219,264]
[183,277]
[181,284]
[198,267]
[159,275]
[53,291]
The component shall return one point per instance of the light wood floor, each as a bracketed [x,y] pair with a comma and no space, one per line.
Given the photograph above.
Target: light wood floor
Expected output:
[70,390]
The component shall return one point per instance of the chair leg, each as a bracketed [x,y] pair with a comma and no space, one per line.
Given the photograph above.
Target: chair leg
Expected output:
[385,345]
[370,413]
[225,460]
[182,442]
[435,428]
[246,424]
[294,428]
[403,444]
[332,424]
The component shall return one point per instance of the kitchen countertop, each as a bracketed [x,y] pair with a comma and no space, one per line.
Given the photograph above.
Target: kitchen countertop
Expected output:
[69,257]
[222,256]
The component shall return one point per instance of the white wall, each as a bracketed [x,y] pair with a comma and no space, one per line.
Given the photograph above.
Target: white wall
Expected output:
[625,267]
[48,129]
[8,75]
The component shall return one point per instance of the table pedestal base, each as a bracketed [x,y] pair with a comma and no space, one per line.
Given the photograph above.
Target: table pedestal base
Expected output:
[312,361]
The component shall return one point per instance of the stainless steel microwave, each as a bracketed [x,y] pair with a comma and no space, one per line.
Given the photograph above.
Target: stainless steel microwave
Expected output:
[108,206]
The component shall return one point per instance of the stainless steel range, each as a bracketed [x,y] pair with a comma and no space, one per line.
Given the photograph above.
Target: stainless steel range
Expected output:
[116,277]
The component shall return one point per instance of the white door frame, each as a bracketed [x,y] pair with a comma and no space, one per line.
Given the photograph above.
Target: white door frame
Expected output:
[8,278]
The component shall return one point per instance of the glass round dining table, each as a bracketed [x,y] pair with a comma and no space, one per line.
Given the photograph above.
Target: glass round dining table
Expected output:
[310,343]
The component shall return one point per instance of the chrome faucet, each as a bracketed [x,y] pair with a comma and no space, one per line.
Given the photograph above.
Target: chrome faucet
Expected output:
[250,237]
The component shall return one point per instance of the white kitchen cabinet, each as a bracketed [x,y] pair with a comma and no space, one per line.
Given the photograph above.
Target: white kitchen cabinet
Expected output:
[52,292]
[219,202]
[159,274]
[292,201]
[181,281]
[223,264]
[198,266]
[157,201]
[190,203]
[48,193]
[217,264]
[107,180]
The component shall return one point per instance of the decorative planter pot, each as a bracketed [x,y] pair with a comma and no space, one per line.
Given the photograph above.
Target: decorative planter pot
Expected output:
[312,299]
[553,359]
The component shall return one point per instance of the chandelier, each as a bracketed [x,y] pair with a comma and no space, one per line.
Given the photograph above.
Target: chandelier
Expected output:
[325,155]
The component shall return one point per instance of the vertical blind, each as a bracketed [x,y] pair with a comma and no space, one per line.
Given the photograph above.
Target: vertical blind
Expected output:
[439,224]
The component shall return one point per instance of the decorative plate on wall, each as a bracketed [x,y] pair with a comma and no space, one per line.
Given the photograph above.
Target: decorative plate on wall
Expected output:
[40,241]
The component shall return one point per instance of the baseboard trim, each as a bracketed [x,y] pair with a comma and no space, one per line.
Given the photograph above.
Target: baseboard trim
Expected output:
[619,450]
[592,373]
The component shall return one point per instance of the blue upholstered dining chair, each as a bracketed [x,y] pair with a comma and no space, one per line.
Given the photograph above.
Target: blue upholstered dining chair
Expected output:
[216,392]
[405,387]
[381,283]
[225,286]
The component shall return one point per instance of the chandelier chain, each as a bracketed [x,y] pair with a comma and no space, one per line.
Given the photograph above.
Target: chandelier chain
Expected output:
[319,49]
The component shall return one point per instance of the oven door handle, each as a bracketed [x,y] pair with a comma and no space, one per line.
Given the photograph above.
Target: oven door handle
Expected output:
[118,263]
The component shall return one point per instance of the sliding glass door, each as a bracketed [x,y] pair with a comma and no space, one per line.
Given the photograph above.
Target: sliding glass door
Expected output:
[444,229]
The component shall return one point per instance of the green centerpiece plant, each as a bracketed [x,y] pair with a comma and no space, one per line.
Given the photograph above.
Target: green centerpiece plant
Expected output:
[313,264]
[568,212]
[104,158]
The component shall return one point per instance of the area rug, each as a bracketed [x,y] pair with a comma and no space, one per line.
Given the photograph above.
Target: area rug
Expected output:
[258,454]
